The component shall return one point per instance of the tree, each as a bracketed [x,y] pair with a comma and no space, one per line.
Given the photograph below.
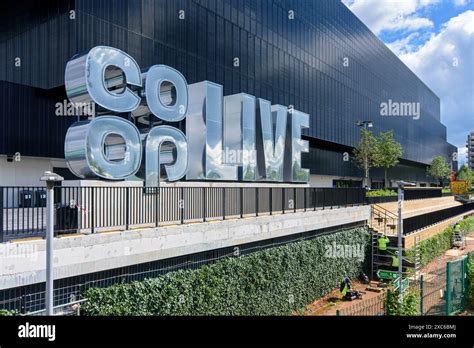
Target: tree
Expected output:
[364,153]
[439,169]
[465,174]
[387,152]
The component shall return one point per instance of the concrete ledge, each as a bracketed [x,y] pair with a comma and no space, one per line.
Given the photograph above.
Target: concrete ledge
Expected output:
[23,263]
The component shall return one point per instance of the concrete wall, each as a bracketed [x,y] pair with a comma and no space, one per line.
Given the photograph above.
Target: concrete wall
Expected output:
[327,180]
[27,171]
[23,263]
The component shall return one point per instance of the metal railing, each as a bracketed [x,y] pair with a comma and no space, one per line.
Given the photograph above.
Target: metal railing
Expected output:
[417,222]
[92,209]
[383,220]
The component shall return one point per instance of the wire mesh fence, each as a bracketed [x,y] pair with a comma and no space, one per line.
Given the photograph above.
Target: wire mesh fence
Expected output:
[373,306]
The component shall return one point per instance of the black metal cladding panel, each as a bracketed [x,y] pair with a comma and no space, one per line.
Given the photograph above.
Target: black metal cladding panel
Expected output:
[43,45]
[326,162]
[291,62]
[28,123]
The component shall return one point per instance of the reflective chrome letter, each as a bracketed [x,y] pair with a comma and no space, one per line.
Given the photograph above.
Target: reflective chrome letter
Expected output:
[239,134]
[87,79]
[271,134]
[293,170]
[160,144]
[163,82]
[204,132]
[107,146]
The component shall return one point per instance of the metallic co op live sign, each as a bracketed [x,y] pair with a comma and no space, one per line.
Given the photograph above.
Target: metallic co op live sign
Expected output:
[236,137]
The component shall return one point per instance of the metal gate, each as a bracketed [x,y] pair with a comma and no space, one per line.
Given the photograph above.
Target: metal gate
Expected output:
[456,286]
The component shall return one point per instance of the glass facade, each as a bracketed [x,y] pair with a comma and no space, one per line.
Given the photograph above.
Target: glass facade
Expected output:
[314,55]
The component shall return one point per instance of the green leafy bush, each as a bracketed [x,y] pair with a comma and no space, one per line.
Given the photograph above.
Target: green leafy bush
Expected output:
[467,225]
[380,193]
[470,281]
[410,305]
[435,246]
[274,281]
[438,244]
[7,312]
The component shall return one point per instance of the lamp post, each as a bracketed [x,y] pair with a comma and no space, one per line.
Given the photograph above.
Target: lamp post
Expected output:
[50,179]
[401,189]
[366,124]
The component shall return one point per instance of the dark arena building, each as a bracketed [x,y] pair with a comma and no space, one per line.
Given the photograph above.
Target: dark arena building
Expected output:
[313,55]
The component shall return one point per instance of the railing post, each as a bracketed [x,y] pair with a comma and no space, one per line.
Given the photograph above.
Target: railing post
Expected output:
[181,203]
[294,200]
[223,203]
[422,290]
[314,197]
[1,214]
[271,200]
[256,201]
[93,210]
[157,206]
[324,198]
[241,202]
[204,204]
[305,190]
[127,207]
[283,200]
[448,287]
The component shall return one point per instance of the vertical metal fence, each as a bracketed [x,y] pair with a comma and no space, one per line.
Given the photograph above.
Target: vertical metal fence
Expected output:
[92,209]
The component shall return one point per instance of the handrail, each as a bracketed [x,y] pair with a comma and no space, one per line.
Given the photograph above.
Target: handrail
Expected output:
[385,215]
[385,211]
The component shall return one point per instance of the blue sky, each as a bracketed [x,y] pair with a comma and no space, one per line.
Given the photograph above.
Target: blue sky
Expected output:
[435,38]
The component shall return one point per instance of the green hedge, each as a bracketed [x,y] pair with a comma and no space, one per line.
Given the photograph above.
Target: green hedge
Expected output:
[380,193]
[470,281]
[274,281]
[435,246]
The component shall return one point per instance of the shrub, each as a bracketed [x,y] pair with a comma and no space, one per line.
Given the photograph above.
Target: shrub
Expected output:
[7,312]
[410,305]
[275,281]
[470,281]
[467,225]
[380,193]
[435,246]
[438,244]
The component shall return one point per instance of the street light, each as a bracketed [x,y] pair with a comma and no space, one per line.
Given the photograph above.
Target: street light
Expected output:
[366,124]
[50,179]
[401,187]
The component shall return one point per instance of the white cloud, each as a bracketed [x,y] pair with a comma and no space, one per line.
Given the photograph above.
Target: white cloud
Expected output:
[403,45]
[461,2]
[391,15]
[462,155]
[445,63]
